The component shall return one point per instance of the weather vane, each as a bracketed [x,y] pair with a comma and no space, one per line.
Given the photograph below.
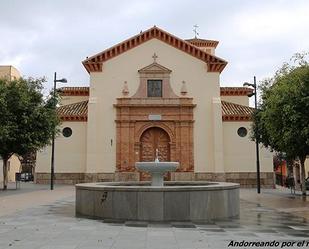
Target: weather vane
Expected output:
[195,30]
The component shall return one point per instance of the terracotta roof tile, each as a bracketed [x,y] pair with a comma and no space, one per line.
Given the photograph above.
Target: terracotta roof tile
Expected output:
[235,91]
[74,91]
[95,62]
[224,91]
[235,112]
[230,112]
[202,42]
[74,112]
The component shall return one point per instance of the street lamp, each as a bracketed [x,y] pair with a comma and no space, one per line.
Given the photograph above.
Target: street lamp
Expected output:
[256,135]
[52,168]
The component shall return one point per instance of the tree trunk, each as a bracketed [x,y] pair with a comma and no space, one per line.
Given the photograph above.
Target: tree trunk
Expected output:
[5,173]
[303,175]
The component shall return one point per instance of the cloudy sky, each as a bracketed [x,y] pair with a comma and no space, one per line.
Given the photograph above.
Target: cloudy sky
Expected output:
[256,37]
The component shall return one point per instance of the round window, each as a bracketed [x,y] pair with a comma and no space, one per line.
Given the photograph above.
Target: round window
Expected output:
[242,132]
[67,132]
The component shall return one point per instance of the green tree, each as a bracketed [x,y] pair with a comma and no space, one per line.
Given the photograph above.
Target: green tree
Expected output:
[27,119]
[283,114]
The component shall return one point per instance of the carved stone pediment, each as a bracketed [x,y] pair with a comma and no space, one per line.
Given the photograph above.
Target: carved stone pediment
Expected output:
[155,71]
[155,68]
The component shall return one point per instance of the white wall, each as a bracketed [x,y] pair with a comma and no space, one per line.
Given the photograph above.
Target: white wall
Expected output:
[240,153]
[70,152]
[107,85]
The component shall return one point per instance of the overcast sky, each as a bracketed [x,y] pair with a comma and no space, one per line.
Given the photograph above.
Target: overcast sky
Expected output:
[256,37]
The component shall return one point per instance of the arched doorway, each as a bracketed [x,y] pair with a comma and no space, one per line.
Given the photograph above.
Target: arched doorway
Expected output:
[152,139]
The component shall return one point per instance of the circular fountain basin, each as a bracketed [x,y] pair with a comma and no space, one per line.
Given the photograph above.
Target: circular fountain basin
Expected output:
[176,201]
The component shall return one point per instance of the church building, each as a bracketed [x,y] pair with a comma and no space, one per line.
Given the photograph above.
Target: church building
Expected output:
[155,91]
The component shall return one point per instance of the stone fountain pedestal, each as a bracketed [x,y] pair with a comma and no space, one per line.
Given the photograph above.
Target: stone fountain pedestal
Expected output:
[157,170]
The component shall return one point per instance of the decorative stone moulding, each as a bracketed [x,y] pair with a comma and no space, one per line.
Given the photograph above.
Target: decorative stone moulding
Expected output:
[152,72]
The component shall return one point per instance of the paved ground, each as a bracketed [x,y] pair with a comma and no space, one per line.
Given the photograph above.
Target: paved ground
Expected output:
[34,217]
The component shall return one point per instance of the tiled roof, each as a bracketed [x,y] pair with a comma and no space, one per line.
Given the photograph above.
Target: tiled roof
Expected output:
[235,91]
[95,63]
[202,42]
[230,112]
[224,91]
[74,112]
[74,91]
[235,112]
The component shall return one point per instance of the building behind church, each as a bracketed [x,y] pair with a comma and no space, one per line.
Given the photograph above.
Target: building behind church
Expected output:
[10,73]
[155,91]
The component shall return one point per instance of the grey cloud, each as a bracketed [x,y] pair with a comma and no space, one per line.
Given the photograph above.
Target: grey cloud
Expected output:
[41,37]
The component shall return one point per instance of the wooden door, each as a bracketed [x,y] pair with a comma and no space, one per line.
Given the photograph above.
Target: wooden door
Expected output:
[152,139]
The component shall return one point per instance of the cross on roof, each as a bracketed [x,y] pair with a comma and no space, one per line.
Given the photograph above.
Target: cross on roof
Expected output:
[195,30]
[154,57]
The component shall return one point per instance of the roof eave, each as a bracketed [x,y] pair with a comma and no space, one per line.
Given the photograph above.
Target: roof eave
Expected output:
[95,62]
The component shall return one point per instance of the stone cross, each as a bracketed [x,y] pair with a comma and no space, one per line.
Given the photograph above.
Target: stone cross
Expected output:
[154,57]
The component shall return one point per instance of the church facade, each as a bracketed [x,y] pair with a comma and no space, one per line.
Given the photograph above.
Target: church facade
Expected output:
[155,91]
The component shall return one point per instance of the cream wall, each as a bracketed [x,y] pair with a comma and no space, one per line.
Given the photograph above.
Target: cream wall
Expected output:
[9,72]
[13,168]
[307,166]
[240,153]
[107,85]
[70,152]
[66,100]
[241,100]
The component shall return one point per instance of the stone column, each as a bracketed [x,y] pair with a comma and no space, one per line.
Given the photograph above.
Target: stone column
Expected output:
[91,140]
[218,138]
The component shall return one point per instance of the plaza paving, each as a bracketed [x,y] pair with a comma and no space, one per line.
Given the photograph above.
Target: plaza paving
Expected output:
[35,217]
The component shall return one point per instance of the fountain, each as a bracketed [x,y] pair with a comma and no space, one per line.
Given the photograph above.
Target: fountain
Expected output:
[157,169]
[158,201]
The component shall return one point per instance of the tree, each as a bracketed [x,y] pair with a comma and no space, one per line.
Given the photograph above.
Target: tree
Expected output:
[27,120]
[283,114]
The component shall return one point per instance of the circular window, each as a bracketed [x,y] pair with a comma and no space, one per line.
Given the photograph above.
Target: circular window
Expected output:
[242,132]
[67,132]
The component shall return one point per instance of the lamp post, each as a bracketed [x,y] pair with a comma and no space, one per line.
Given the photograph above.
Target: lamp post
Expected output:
[258,178]
[52,168]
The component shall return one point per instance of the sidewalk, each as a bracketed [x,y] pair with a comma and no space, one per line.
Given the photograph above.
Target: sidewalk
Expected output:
[31,195]
[36,218]
[279,199]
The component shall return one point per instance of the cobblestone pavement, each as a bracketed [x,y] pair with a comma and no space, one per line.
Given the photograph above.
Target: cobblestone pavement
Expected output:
[53,226]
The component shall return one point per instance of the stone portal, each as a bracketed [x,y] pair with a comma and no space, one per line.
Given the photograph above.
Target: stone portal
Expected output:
[153,118]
